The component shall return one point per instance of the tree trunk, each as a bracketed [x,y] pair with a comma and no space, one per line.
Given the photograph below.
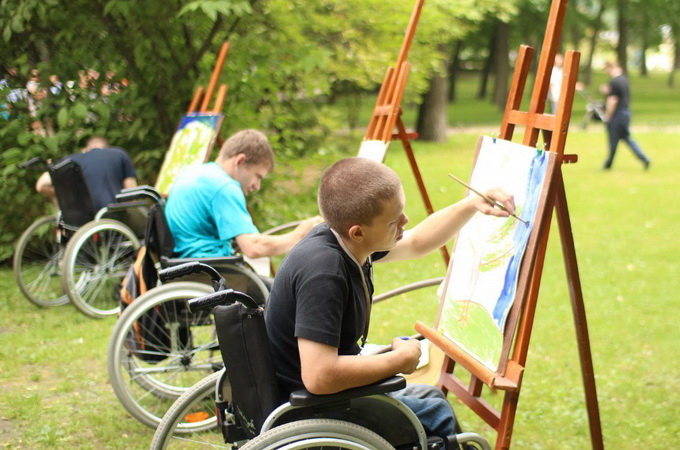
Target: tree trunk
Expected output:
[575,29]
[453,69]
[432,117]
[597,25]
[622,23]
[643,57]
[676,55]
[502,64]
[488,66]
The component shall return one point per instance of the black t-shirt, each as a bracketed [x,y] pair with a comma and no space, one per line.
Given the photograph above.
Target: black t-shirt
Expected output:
[618,87]
[104,170]
[318,294]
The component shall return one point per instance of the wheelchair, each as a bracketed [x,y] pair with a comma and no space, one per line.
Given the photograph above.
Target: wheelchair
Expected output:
[41,250]
[158,349]
[99,253]
[250,415]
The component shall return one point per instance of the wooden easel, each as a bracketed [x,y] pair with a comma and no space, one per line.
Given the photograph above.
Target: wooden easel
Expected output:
[387,112]
[508,377]
[176,158]
[204,97]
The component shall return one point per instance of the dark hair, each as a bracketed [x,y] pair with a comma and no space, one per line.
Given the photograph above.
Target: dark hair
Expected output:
[253,144]
[353,191]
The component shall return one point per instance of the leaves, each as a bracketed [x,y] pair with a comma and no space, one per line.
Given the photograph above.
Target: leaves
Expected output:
[214,8]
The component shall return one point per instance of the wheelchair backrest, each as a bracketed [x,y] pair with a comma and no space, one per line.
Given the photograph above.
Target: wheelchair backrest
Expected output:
[157,237]
[72,192]
[247,357]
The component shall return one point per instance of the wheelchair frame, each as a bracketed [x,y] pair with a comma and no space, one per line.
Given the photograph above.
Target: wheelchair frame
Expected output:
[147,389]
[100,252]
[281,428]
[41,249]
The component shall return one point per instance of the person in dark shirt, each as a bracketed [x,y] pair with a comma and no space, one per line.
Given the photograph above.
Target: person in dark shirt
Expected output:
[617,114]
[106,169]
[319,307]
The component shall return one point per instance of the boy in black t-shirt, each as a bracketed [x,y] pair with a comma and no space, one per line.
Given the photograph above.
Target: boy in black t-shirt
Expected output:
[319,305]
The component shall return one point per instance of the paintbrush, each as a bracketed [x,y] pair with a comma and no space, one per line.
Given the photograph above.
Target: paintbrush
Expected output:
[495,203]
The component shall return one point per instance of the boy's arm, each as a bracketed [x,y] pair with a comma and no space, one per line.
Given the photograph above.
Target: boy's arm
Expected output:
[610,106]
[44,185]
[129,182]
[440,227]
[256,245]
[326,372]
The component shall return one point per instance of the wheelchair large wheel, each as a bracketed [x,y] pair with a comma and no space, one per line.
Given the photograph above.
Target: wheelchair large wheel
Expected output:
[191,421]
[95,263]
[36,263]
[318,434]
[158,350]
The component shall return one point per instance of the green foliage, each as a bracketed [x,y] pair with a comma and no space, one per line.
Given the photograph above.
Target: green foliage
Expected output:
[286,58]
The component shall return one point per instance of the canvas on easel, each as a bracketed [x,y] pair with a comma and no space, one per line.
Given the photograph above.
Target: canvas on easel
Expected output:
[197,132]
[191,144]
[503,370]
[482,278]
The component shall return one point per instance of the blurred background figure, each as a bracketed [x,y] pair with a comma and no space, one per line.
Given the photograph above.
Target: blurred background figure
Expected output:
[617,114]
[555,82]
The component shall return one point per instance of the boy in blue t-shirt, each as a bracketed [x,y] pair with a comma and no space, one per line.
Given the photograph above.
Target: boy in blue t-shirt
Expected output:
[206,208]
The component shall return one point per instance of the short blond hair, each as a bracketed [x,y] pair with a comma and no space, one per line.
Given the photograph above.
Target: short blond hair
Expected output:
[354,191]
[253,144]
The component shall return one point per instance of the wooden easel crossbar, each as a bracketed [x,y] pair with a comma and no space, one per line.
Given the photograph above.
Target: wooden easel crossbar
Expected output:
[554,128]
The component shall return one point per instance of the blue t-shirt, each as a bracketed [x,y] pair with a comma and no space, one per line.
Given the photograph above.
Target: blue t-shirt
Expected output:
[206,210]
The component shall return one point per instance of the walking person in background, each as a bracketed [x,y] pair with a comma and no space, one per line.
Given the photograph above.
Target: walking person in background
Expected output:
[617,114]
[556,82]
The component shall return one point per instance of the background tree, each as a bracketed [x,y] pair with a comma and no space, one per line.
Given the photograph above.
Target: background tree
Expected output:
[452,22]
[285,60]
[622,28]
[593,12]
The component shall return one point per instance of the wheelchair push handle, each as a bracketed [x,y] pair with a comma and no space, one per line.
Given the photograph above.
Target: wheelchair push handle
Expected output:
[189,268]
[226,297]
[33,161]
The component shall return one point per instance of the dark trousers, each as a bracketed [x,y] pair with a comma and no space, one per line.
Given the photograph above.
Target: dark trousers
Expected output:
[619,129]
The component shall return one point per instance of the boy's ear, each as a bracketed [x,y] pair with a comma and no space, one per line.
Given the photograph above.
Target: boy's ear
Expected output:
[356,233]
[239,159]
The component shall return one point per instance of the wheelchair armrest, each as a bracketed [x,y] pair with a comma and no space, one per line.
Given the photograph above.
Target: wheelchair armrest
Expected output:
[215,262]
[305,398]
[129,204]
[138,193]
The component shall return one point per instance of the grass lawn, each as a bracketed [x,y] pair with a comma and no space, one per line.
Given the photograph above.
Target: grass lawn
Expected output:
[627,252]
[55,391]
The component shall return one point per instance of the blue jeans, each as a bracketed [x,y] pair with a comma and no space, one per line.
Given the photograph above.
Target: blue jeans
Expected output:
[430,406]
[619,128]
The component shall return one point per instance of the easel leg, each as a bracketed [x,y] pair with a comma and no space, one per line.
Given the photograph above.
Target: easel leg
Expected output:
[419,179]
[578,309]
[507,420]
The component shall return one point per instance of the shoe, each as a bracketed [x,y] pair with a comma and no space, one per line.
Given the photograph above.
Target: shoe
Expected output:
[646,164]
